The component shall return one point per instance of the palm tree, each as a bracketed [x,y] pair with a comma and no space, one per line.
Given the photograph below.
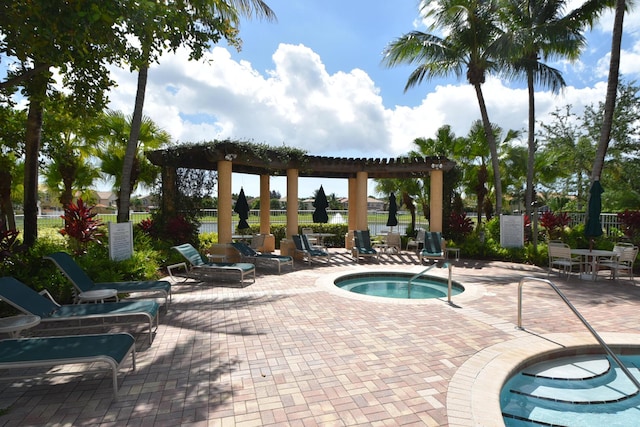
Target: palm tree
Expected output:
[537,30]
[194,26]
[69,169]
[112,135]
[612,88]
[468,46]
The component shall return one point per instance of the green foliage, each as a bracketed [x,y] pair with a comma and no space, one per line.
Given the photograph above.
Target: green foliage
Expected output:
[208,239]
[30,268]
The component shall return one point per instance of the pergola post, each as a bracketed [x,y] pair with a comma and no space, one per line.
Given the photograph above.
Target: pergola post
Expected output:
[169,191]
[435,201]
[292,202]
[361,200]
[225,207]
[269,242]
[351,213]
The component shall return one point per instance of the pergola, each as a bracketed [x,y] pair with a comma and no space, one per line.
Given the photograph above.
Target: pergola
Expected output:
[227,157]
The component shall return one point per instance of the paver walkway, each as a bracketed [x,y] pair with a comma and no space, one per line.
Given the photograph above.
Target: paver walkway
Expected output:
[291,350]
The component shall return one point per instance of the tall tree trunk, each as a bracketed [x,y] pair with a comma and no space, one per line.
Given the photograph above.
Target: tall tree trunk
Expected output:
[7,217]
[529,196]
[408,202]
[493,148]
[612,91]
[37,89]
[124,201]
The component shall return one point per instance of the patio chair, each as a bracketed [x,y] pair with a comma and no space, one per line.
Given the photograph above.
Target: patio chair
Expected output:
[200,269]
[393,242]
[308,230]
[306,251]
[623,263]
[362,245]
[560,258]
[259,259]
[83,283]
[109,349]
[418,242]
[28,301]
[434,246]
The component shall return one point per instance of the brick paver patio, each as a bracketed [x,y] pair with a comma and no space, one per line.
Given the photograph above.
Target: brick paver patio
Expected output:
[293,350]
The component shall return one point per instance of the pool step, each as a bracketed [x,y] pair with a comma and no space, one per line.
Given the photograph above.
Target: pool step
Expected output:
[557,393]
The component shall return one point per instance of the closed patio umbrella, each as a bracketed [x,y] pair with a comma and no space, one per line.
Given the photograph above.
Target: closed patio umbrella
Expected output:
[321,204]
[593,227]
[242,209]
[392,220]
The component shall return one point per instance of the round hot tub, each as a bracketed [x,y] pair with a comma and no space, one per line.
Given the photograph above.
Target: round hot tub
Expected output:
[400,285]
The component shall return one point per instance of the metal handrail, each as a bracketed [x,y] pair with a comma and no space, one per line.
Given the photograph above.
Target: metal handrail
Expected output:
[415,276]
[604,345]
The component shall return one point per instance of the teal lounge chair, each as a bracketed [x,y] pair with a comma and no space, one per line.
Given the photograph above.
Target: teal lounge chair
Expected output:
[362,245]
[28,301]
[434,246]
[307,251]
[83,283]
[200,269]
[259,259]
[110,349]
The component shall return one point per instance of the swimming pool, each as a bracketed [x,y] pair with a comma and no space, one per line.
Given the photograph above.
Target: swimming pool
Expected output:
[584,390]
[396,285]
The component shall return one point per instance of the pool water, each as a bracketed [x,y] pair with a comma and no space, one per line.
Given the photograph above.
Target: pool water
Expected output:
[396,285]
[582,391]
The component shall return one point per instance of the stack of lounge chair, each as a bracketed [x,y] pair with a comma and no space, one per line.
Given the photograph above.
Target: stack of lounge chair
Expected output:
[249,254]
[200,269]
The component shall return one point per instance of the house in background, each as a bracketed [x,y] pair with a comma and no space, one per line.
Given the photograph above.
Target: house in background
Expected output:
[106,201]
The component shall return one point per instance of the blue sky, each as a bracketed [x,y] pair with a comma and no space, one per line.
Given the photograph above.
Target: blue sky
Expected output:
[314,80]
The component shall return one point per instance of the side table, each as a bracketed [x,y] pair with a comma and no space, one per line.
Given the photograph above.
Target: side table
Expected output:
[216,257]
[13,325]
[97,295]
[454,251]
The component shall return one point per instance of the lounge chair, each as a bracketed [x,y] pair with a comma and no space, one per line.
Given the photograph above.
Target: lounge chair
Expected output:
[83,283]
[434,246]
[362,245]
[28,301]
[112,349]
[418,242]
[306,250]
[200,269]
[259,259]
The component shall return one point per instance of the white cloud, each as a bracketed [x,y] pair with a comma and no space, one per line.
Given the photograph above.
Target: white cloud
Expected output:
[298,103]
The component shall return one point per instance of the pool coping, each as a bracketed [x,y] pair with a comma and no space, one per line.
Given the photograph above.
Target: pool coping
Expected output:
[473,395]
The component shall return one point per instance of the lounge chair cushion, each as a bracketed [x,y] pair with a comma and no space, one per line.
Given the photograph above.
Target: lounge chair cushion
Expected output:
[111,349]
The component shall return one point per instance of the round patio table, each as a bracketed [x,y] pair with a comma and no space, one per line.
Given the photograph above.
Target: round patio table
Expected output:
[590,259]
[13,325]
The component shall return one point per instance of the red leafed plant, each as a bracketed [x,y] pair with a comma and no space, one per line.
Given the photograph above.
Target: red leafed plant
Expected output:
[147,226]
[459,226]
[8,244]
[554,223]
[81,226]
[630,223]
